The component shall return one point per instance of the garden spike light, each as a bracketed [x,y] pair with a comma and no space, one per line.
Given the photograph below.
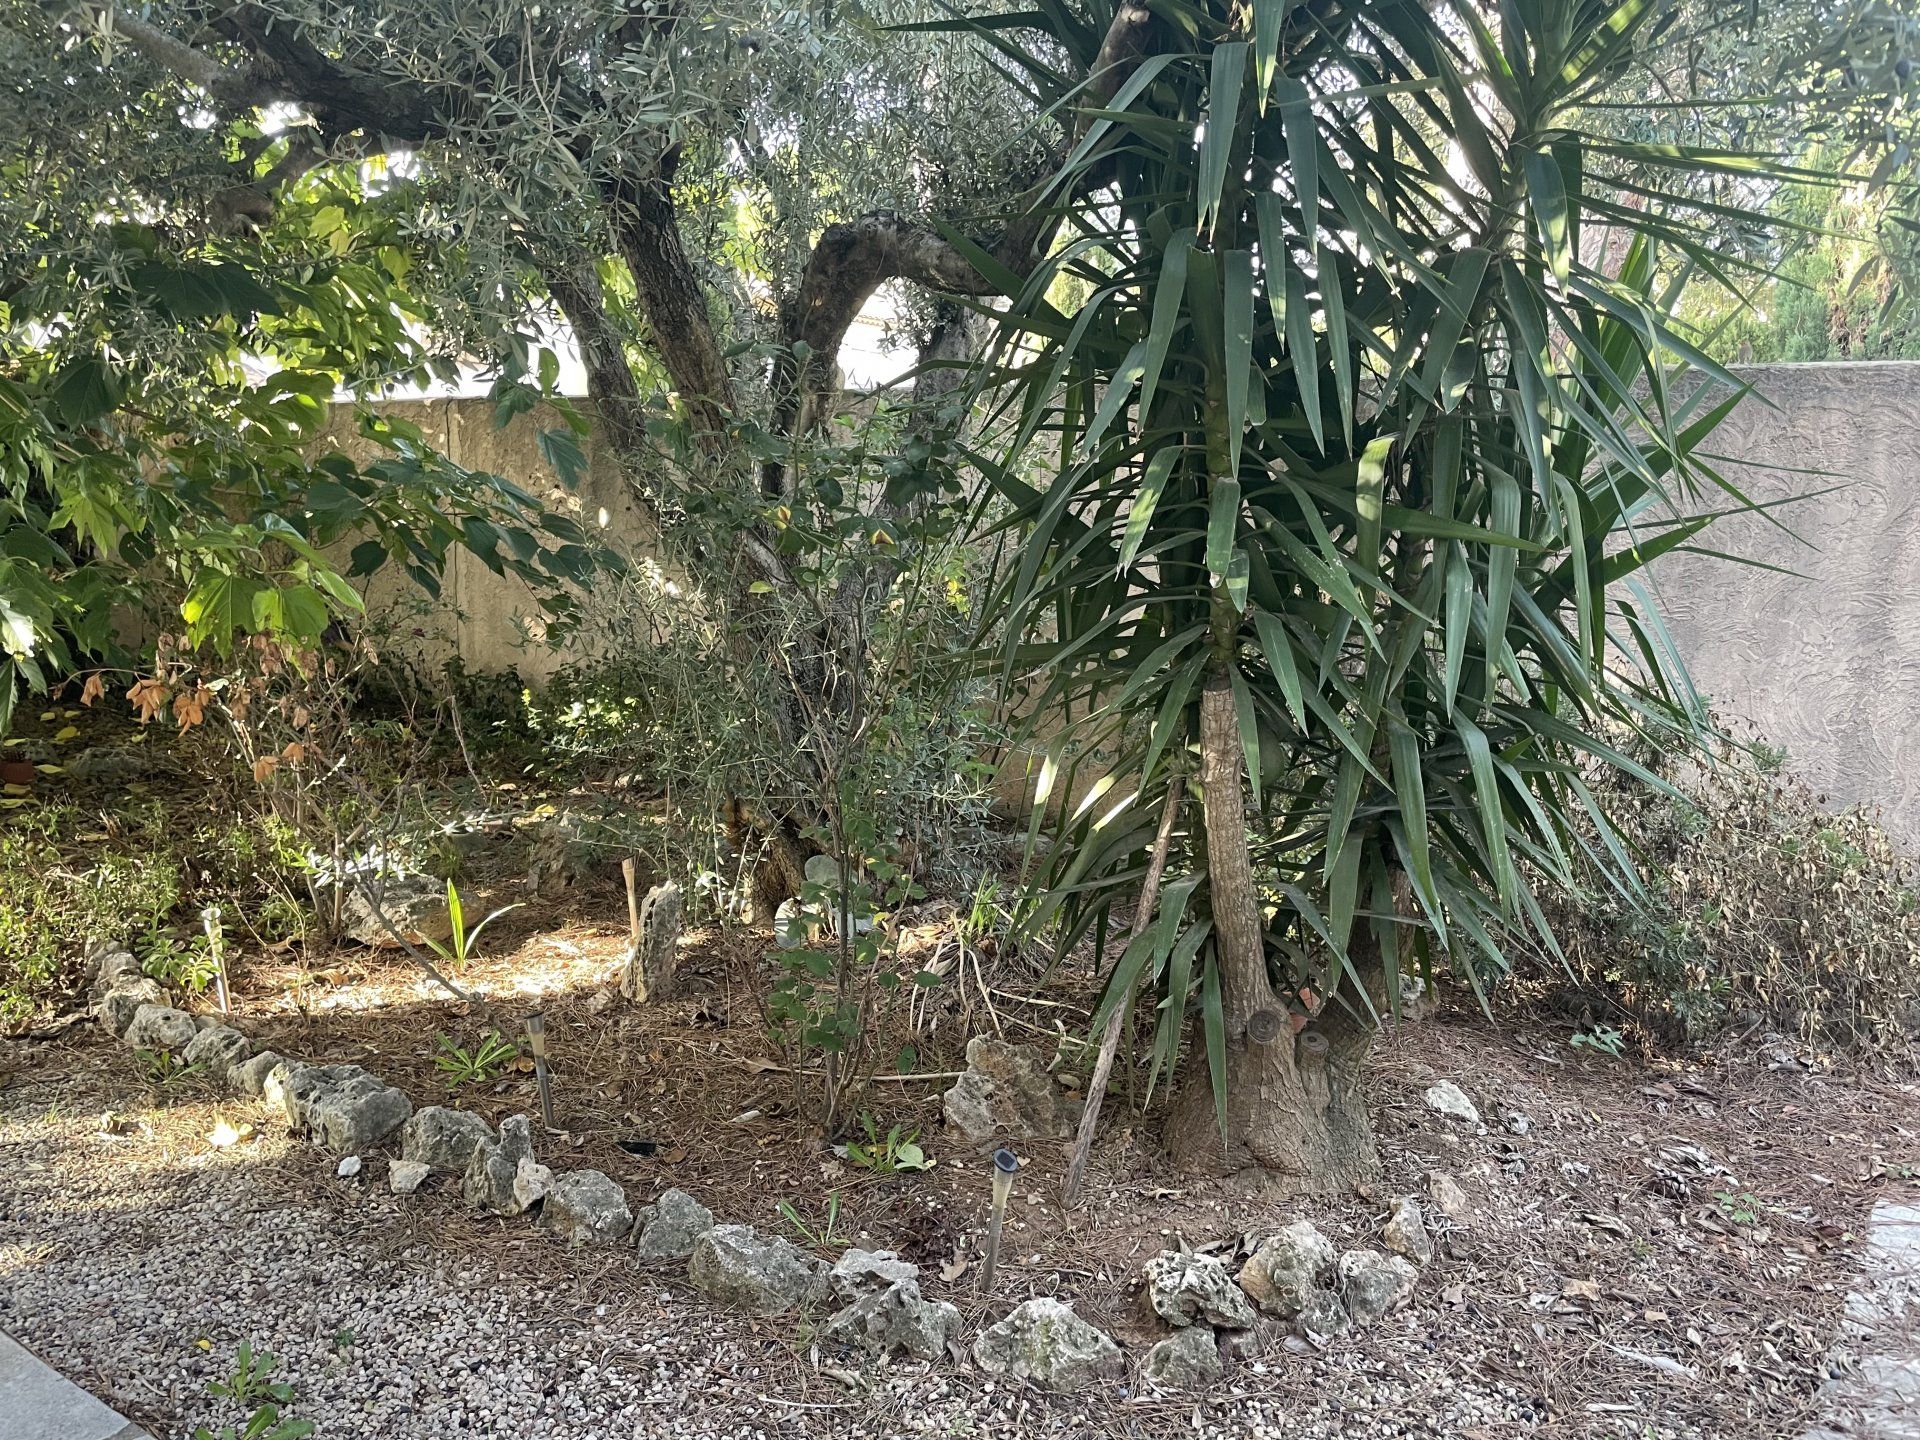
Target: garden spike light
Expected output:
[210,919]
[537,1039]
[1005,1163]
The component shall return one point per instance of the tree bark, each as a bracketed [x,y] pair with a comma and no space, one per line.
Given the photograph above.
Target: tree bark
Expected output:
[1294,1100]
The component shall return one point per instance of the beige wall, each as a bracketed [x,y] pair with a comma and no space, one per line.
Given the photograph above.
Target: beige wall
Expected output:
[1824,662]
[484,618]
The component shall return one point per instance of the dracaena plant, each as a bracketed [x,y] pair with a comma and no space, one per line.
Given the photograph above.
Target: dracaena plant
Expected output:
[1333,435]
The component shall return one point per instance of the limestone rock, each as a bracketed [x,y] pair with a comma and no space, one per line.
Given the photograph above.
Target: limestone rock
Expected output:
[406,1176]
[1448,1197]
[1406,1232]
[275,1082]
[859,1271]
[341,1108]
[886,1310]
[897,1318]
[655,951]
[1045,1342]
[112,765]
[110,968]
[1416,999]
[561,856]
[1190,1360]
[532,1183]
[415,906]
[487,1183]
[249,1075]
[1375,1285]
[1190,1289]
[116,1008]
[1323,1316]
[160,1027]
[666,1229]
[1006,1091]
[1448,1099]
[442,1138]
[1286,1269]
[218,1048]
[585,1207]
[737,1265]
[348,1168]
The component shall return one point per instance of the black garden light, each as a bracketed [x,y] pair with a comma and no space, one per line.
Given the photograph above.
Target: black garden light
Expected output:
[1005,1165]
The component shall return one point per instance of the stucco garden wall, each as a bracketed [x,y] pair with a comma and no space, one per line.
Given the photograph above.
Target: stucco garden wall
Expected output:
[1824,661]
[491,622]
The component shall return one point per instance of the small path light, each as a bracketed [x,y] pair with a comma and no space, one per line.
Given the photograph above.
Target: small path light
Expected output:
[537,1038]
[210,919]
[1005,1164]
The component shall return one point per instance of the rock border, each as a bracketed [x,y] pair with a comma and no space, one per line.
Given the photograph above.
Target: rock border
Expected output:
[1295,1275]
[871,1298]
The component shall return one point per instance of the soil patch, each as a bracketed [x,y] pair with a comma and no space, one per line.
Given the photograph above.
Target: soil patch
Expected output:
[1654,1249]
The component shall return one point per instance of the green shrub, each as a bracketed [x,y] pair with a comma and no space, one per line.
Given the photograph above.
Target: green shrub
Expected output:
[1764,908]
[68,887]
[138,876]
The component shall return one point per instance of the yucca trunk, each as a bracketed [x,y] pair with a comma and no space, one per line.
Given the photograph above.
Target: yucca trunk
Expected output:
[1294,1103]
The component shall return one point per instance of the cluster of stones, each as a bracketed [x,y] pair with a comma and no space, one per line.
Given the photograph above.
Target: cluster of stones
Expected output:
[873,1296]
[1296,1277]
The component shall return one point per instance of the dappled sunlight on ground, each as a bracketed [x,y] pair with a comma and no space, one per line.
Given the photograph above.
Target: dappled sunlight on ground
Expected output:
[1705,1213]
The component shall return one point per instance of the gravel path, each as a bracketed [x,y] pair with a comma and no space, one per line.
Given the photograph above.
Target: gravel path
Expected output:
[137,1262]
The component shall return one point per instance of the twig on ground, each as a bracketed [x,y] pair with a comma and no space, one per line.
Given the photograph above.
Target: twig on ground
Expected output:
[415,953]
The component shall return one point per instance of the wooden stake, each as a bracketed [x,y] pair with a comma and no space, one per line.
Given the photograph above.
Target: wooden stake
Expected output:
[1117,1019]
[627,873]
[537,1037]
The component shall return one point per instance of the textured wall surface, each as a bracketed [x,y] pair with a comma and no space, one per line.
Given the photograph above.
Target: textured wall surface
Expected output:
[1824,662]
[491,622]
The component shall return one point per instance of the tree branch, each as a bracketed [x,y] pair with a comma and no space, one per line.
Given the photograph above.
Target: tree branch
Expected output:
[340,99]
[849,263]
[617,399]
[856,257]
[646,228]
[239,89]
[576,290]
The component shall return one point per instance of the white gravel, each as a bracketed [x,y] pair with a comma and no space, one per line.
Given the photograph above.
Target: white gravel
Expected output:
[137,1262]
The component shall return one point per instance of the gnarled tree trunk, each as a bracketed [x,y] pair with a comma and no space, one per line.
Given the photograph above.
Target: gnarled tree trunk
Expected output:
[1294,1099]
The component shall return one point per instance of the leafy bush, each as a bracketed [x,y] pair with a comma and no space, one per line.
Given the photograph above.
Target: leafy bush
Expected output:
[68,887]
[1763,906]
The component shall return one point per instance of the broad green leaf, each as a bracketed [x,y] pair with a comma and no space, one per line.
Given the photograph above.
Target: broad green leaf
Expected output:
[1146,500]
[1229,71]
[1237,273]
[1169,296]
[1303,151]
[1223,516]
[1304,354]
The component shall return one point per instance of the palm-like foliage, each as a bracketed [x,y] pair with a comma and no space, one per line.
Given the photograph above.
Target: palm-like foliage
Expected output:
[1353,426]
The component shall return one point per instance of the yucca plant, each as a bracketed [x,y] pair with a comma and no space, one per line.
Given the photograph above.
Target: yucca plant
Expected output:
[1331,449]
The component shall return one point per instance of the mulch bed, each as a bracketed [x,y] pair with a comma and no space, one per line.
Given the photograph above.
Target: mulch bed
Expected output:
[1667,1240]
